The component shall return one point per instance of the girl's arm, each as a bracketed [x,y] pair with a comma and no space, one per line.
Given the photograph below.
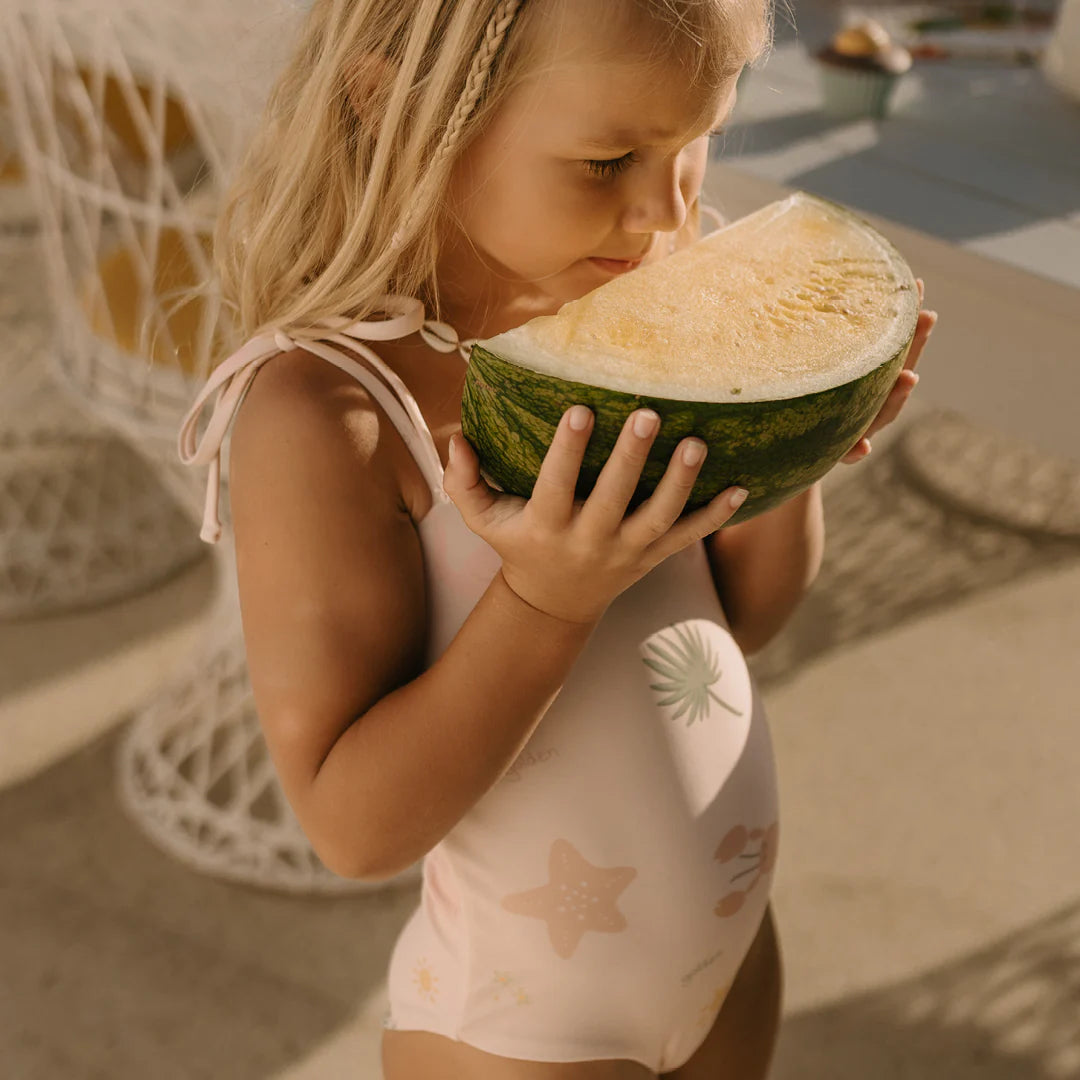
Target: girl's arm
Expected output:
[378,755]
[762,567]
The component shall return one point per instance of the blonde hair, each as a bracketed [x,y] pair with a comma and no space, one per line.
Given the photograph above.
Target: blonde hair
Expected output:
[341,193]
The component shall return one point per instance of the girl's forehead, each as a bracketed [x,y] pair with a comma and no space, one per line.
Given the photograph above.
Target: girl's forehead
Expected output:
[622,102]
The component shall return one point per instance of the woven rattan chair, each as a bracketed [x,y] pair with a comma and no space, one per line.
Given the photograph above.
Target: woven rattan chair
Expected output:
[18,207]
[83,519]
[122,245]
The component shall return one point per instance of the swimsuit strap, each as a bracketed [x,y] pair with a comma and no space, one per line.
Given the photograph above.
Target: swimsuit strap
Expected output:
[233,376]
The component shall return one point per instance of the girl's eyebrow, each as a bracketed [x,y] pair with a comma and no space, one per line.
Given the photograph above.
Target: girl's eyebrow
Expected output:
[616,140]
[612,140]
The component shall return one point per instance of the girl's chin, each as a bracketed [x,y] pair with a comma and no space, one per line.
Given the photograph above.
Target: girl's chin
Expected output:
[561,286]
[582,276]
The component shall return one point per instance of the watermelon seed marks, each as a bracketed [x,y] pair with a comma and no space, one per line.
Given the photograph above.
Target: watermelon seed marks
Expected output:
[690,669]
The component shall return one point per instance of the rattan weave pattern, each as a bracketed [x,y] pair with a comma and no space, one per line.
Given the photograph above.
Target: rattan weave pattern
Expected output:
[151,87]
[83,519]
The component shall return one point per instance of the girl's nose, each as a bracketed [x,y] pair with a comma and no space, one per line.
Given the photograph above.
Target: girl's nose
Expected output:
[657,203]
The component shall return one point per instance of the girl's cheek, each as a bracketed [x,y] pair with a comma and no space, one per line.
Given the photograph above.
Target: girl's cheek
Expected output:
[693,175]
[582,202]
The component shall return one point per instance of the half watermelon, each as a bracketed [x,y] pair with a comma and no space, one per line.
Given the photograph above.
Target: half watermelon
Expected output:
[775,339]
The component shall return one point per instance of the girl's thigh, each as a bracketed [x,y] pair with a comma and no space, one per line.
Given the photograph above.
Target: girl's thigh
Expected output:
[742,1040]
[423,1055]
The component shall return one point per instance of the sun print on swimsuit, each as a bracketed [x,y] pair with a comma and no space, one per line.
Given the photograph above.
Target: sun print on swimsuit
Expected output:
[690,671]
[426,981]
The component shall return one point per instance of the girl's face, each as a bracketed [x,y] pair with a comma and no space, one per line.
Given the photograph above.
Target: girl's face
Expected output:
[588,159]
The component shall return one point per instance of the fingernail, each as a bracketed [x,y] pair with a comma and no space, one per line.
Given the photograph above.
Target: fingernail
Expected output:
[738,496]
[450,452]
[916,382]
[579,418]
[645,422]
[693,452]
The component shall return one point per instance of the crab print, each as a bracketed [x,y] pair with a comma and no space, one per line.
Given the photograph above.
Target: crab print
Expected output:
[751,855]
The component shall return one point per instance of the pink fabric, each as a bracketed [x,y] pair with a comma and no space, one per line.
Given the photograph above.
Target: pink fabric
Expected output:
[598,900]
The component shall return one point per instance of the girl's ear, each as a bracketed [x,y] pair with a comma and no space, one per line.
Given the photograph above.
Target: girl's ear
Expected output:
[368,83]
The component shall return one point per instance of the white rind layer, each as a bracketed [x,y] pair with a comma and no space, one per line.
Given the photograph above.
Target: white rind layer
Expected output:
[798,297]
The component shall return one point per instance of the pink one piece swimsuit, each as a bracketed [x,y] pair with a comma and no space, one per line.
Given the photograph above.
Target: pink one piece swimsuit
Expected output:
[598,900]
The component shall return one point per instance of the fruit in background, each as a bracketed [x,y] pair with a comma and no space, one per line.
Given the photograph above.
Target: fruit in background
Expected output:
[859,70]
[862,39]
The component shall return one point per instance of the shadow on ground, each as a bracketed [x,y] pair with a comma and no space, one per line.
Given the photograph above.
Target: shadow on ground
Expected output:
[121,962]
[908,535]
[1010,1011]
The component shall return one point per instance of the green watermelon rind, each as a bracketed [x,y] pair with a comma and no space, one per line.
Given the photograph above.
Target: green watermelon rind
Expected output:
[774,449]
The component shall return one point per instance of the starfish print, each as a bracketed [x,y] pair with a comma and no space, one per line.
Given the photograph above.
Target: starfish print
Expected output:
[578,897]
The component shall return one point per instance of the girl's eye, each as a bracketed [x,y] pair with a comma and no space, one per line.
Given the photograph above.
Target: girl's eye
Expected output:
[611,167]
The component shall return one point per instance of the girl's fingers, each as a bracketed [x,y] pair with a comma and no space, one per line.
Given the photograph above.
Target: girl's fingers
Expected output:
[919,283]
[857,452]
[898,396]
[923,329]
[464,484]
[902,389]
[607,503]
[697,524]
[897,399]
[552,498]
[657,514]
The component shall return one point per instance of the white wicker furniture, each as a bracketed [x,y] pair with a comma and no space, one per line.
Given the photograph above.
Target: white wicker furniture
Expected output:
[122,246]
[83,519]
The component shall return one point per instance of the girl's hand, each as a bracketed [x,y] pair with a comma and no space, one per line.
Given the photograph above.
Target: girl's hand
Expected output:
[567,557]
[902,388]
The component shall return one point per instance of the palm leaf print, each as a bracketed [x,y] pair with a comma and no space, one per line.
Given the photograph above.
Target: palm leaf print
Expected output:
[690,669]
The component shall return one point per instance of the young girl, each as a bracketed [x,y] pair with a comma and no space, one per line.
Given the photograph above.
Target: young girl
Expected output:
[544,699]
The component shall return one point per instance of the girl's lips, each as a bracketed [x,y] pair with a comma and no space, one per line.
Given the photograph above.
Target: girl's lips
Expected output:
[616,266]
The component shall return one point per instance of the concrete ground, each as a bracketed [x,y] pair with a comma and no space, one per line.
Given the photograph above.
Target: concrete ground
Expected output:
[923,704]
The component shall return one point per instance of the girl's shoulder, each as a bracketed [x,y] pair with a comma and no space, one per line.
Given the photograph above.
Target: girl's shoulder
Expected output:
[335,421]
[303,410]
